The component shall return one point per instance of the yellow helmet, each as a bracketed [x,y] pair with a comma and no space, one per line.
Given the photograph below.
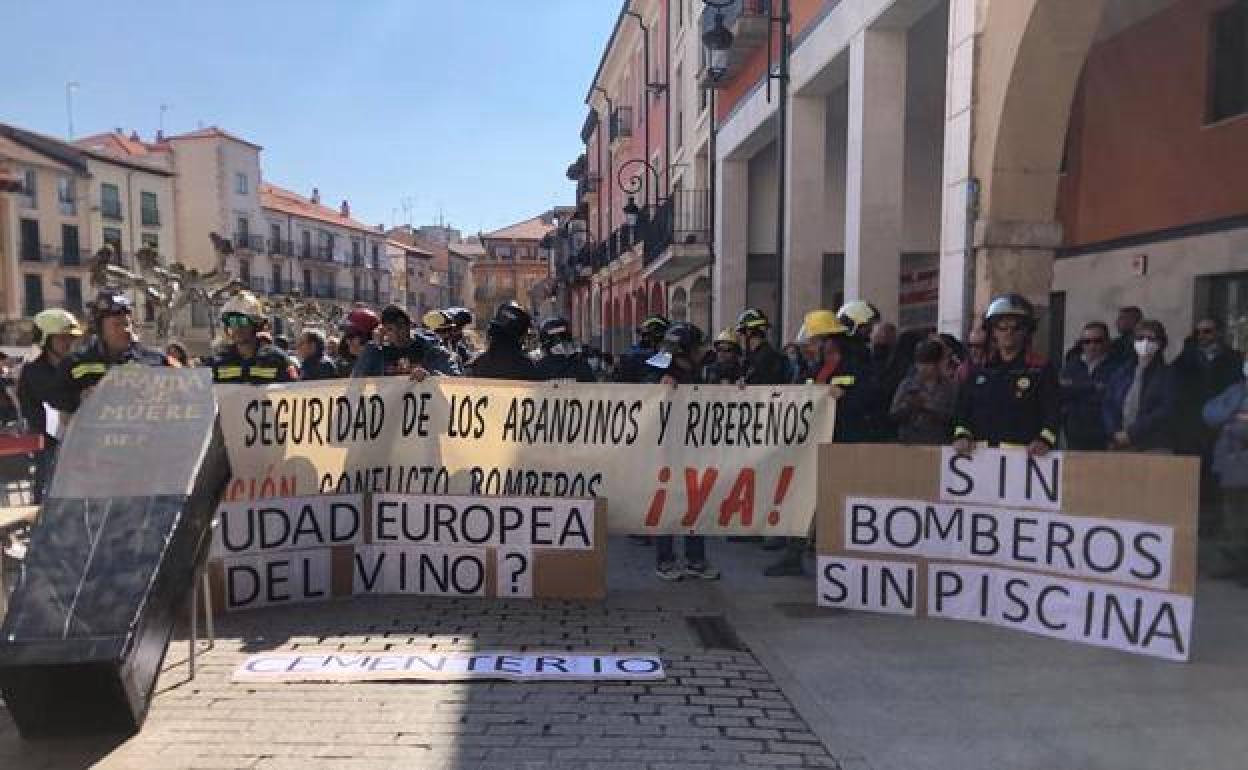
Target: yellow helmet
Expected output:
[437,320]
[727,337]
[820,323]
[56,320]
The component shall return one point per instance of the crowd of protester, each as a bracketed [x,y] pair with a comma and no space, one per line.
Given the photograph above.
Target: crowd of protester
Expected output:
[1108,393]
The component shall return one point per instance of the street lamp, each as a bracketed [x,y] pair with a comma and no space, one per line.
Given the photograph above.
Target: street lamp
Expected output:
[631,212]
[718,39]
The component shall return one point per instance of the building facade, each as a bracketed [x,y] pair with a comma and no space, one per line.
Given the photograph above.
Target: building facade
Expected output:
[315,251]
[73,200]
[513,263]
[926,155]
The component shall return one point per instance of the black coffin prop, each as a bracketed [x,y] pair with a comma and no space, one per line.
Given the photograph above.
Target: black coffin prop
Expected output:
[113,555]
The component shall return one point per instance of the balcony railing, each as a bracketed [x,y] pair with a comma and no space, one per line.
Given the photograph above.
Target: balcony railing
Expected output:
[281,286]
[248,242]
[110,209]
[323,292]
[75,257]
[150,218]
[280,247]
[683,219]
[255,283]
[587,185]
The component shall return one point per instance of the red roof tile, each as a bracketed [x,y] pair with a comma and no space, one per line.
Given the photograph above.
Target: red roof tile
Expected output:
[213,132]
[276,198]
[529,230]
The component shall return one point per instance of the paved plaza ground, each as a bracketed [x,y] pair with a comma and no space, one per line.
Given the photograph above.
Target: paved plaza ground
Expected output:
[811,688]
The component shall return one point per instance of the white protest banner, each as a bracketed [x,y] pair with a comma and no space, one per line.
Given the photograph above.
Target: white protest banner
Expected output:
[446,667]
[300,549]
[711,460]
[1096,548]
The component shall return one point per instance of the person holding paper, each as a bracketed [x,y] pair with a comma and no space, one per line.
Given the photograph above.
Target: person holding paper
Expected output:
[1012,399]
[59,331]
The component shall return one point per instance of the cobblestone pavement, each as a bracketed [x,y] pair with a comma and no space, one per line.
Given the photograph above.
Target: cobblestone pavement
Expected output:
[717,708]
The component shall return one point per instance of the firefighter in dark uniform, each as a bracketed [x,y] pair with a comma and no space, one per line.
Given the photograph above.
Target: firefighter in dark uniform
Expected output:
[676,363]
[1012,399]
[115,343]
[245,360]
[561,356]
[632,365]
[825,340]
[461,318]
[504,357]
[726,368]
[442,325]
[404,353]
[871,401]
[764,365]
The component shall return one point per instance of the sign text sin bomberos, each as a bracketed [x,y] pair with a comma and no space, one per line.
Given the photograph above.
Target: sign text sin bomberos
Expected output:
[1092,548]
[717,460]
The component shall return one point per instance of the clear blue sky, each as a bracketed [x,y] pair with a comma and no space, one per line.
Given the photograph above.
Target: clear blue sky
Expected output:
[474,105]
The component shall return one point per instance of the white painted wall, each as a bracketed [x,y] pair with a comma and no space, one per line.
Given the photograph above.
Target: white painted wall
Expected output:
[1096,285]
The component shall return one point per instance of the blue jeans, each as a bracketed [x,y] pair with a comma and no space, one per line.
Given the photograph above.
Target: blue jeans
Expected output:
[695,549]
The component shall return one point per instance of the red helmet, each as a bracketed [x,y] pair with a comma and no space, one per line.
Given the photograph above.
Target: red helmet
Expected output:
[361,321]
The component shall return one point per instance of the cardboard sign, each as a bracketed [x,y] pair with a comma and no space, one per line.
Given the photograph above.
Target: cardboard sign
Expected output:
[446,667]
[716,460]
[306,549]
[1096,548]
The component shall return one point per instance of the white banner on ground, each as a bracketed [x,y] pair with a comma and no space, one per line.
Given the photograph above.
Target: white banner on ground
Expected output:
[445,667]
[710,459]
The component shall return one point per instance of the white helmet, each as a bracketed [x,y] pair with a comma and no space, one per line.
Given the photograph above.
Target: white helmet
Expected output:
[244,303]
[857,314]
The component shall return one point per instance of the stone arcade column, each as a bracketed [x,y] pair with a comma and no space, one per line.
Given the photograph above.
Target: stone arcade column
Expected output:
[732,219]
[805,210]
[875,168]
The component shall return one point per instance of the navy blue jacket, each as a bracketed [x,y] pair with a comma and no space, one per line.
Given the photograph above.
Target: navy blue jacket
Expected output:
[1153,424]
[1083,396]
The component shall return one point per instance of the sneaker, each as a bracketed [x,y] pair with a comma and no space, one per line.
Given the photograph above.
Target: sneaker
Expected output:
[669,571]
[701,571]
[787,567]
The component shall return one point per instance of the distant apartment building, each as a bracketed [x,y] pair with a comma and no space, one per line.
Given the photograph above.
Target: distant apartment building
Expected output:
[313,250]
[411,270]
[513,263]
[73,199]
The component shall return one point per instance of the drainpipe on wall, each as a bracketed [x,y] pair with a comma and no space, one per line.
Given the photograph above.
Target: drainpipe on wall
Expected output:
[968,259]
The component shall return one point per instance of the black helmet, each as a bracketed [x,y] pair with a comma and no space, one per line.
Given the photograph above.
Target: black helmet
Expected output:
[110,302]
[752,320]
[653,327]
[552,330]
[1011,304]
[395,314]
[460,316]
[511,320]
[682,337]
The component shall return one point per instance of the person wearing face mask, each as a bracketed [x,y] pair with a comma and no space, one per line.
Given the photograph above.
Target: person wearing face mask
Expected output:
[675,364]
[1139,401]
[504,357]
[1012,399]
[561,357]
[631,367]
[247,359]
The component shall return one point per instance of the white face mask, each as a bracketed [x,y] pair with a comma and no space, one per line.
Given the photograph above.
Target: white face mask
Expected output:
[661,360]
[1146,348]
[565,349]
